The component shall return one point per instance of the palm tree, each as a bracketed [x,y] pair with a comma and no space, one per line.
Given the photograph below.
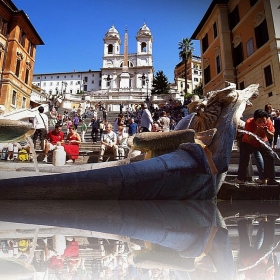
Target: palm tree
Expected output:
[186,50]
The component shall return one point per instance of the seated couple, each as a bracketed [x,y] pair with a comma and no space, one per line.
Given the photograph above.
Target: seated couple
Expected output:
[115,142]
[71,144]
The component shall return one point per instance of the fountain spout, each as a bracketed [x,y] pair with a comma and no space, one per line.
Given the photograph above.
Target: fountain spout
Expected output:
[14,130]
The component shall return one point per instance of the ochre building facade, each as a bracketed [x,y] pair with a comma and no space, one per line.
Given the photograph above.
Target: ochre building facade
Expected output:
[18,41]
[240,43]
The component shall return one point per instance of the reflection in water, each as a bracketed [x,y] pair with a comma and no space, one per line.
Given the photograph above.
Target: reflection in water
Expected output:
[139,240]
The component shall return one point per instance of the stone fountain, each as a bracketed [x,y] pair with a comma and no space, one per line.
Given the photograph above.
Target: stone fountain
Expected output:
[190,163]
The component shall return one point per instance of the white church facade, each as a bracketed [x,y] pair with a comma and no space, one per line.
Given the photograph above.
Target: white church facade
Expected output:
[123,78]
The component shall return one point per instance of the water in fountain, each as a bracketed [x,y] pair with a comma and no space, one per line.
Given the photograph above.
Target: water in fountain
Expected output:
[261,141]
[32,149]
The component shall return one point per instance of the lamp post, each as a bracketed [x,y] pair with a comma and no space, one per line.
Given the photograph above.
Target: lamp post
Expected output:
[146,79]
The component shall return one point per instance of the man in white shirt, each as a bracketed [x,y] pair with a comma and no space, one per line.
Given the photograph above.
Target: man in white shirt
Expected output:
[164,122]
[108,142]
[146,119]
[41,125]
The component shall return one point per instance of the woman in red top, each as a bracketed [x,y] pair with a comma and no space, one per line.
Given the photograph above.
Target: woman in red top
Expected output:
[72,144]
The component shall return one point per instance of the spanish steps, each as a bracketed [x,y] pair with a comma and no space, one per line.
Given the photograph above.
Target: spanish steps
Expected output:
[89,150]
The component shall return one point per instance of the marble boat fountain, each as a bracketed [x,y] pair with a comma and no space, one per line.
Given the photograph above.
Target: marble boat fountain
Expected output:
[189,163]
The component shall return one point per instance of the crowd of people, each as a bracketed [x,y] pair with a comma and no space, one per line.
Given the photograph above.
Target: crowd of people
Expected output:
[113,137]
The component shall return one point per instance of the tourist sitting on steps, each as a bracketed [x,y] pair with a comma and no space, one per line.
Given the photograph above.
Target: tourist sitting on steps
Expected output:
[71,145]
[108,142]
[54,138]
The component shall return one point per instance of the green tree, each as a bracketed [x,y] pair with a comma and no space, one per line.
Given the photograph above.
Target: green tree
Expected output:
[160,84]
[186,50]
[198,90]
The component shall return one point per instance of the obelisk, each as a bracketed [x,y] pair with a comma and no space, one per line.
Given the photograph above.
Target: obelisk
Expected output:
[124,83]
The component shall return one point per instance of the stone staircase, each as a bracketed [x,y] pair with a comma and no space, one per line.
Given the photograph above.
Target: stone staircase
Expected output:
[88,149]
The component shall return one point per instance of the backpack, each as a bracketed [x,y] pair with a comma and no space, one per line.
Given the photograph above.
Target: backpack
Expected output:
[23,155]
[4,153]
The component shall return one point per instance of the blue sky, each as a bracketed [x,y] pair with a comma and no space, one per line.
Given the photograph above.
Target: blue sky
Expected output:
[73,30]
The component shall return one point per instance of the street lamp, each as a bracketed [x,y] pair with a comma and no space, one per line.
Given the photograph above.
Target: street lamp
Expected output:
[146,79]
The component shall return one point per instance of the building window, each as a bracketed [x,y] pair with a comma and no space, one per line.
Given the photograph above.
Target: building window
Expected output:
[92,81]
[85,87]
[86,79]
[92,75]
[38,78]
[143,47]
[215,31]
[26,76]
[30,49]
[57,83]
[79,76]
[23,102]
[57,77]
[234,17]
[195,79]
[237,55]
[261,34]
[270,94]
[14,98]
[195,72]
[64,77]
[250,47]
[22,37]
[218,64]
[71,91]
[17,68]
[3,27]
[71,76]
[44,84]
[268,76]
[71,82]
[110,49]
[207,75]
[205,43]
[242,85]
[253,2]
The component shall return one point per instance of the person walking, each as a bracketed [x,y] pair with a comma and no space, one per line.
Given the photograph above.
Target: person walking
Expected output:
[76,121]
[94,130]
[146,118]
[132,128]
[41,125]
[83,130]
[262,127]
